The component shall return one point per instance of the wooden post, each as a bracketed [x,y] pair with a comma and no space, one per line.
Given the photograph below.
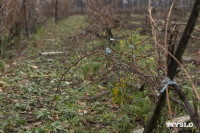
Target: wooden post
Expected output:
[172,69]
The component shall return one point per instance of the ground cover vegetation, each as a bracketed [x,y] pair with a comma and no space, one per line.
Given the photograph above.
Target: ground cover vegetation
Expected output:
[90,66]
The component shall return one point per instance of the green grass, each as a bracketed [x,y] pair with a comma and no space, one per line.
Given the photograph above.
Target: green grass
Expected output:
[135,22]
[30,83]
[138,16]
[32,87]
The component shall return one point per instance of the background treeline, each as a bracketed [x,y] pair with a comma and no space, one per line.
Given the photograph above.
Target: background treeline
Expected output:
[20,18]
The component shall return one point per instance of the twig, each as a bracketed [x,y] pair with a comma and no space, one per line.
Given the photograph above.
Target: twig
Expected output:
[165,65]
[59,82]
[187,104]
[178,102]
[172,67]
[99,95]
[110,22]
[196,66]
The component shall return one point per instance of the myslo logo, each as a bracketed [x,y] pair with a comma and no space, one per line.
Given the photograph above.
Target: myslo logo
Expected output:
[179,124]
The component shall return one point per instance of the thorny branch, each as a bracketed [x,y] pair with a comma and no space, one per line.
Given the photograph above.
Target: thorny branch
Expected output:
[62,76]
[172,68]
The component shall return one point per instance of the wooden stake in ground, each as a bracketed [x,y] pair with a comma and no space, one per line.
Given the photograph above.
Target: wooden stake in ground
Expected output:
[172,67]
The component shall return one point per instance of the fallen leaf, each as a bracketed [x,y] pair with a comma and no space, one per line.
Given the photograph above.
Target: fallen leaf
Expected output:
[65,125]
[101,87]
[2,84]
[55,89]
[85,112]
[30,120]
[87,82]
[14,101]
[37,124]
[67,83]
[36,67]
[82,103]
[55,117]
[7,66]
[82,112]
[24,112]
[94,112]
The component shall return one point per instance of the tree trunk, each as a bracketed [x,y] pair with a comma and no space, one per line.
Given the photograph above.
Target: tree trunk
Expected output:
[56,11]
[25,19]
[184,39]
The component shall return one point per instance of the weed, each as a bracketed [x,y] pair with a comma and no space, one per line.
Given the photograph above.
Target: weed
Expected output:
[95,66]
[22,107]
[38,76]
[2,66]
[12,123]
[92,67]
[124,124]
[85,69]
[68,113]
[108,117]
[119,91]
[4,45]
